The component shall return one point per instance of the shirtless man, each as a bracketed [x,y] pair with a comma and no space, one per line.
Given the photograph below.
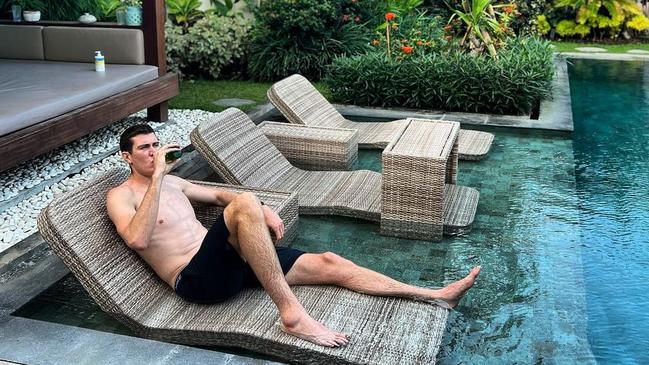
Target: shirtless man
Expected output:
[152,213]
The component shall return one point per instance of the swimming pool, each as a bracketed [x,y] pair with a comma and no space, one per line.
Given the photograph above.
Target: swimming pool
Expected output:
[560,233]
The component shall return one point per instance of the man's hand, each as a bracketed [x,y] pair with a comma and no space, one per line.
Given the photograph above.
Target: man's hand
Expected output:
[161,166]
[274,222]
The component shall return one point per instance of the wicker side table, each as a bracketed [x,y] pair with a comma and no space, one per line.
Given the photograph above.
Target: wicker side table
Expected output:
[314,148]
[416,167]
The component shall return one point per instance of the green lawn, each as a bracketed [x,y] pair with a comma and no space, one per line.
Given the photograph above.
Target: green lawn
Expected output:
[611,48]
[200,94]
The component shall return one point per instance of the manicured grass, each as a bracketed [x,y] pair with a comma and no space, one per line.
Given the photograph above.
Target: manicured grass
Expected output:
[200,94]
[611,48]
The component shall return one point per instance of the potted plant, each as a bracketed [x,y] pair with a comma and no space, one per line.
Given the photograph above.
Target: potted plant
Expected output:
[133,12]
[30,10]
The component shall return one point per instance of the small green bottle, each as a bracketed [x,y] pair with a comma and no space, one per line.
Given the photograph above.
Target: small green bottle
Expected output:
[173,156]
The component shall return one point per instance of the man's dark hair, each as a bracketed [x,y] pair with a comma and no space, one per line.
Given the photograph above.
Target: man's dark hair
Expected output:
[125,142]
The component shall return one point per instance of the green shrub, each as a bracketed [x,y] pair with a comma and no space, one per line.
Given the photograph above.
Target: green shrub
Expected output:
[212,44]
[301,36]
[453,81]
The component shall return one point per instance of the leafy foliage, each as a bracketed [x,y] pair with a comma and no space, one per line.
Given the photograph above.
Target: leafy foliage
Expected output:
[61,9]
[301,36]
[209,47]
[107,9]
[417,32]
[455,80]
[184,12]
[601,17]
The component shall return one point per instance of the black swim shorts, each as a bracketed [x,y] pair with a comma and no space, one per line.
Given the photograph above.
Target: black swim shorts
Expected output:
[217,272]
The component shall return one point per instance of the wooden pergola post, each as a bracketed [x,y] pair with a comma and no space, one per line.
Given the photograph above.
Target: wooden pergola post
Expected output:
[153,23]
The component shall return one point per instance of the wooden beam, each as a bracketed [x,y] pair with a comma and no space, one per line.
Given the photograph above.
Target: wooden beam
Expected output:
[43,137]
[153,27]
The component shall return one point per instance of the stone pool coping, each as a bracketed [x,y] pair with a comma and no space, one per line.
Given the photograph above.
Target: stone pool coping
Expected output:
[555,113]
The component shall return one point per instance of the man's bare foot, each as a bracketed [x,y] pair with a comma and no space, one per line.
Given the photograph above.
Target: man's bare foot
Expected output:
[452,293]
[307,328]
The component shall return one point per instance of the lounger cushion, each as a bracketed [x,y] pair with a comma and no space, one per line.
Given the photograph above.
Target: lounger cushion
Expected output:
[21,42]
[74,44]
[33,91]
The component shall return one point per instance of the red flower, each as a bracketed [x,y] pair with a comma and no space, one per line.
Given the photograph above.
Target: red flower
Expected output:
[390,16]
[407,49]
[357,19]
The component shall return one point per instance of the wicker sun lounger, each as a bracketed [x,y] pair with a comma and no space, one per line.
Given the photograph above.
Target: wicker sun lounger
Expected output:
[300,102]
[242,155]
[383,330]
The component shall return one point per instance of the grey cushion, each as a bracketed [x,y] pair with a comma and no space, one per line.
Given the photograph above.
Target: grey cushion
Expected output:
[19,41]
[33,91]
[74,44]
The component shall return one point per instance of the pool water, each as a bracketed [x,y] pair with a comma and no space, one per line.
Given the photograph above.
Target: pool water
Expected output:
[559,232]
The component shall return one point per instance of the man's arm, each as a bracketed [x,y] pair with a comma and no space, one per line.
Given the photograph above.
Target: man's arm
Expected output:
[136,226]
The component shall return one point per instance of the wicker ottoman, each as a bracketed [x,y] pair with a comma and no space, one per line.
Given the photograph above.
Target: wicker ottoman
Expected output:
[314,148]
[416,168]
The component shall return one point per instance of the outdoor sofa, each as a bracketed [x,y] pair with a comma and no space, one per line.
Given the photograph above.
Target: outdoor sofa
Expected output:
[50,93]
[383,330]
[301,103]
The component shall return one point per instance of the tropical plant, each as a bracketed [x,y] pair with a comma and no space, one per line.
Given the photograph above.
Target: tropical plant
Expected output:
[301,36]
[480,19]
[184,12]
[107,8]
[600,17]
[454,80]
[417,33]
[227,7]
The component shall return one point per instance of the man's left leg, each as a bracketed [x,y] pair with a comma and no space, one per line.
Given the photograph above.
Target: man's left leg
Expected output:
[329,268]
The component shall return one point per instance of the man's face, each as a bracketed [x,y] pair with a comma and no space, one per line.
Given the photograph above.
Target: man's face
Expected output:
[143,152]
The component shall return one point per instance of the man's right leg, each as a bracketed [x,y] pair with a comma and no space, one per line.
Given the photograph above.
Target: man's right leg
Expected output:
[249,235]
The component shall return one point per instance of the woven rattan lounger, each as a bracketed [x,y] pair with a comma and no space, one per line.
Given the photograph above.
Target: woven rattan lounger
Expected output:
[300,103]
[242,155]
[383,330]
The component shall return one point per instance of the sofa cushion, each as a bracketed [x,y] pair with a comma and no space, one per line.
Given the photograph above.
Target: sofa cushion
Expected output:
[17,41]
[33,91]
[75,44]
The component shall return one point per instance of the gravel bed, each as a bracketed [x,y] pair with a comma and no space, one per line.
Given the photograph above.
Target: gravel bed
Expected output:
[19,221]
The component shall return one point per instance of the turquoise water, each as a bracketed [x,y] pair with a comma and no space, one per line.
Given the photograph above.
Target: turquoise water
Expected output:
[560,233]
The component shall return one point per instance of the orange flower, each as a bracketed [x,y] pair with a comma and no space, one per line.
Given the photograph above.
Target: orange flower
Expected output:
[448,28]
[420,43]
[508,9]
[376,42]
[407,49]
[390,16]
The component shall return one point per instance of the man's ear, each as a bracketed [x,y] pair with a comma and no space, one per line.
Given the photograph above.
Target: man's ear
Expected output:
[126,157]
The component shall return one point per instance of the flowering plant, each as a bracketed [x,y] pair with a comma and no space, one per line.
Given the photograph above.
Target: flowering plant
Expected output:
[415,34]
